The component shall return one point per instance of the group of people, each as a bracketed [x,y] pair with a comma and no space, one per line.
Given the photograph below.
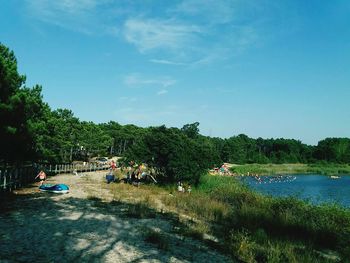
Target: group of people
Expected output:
[273,179]
[135,175]
[223,170]
[182,189]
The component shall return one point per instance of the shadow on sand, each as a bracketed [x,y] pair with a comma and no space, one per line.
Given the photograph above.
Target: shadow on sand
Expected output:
[43,227]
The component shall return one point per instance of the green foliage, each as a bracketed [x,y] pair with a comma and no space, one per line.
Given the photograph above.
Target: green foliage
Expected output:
[285,219]
[174,155]
[258,228]
[31,131]
[20,110]
[333,150]
[191,130]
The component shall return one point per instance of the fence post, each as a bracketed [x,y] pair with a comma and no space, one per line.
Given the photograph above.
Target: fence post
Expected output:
[16,178]
[10,180]
[4,180]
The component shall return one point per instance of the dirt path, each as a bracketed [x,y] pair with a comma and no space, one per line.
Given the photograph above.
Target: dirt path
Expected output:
[44,227]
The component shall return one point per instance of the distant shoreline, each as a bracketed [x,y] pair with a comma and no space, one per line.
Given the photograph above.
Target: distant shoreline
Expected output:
[295,168]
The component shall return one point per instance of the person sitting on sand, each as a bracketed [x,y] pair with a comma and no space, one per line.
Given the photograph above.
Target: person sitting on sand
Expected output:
[189,189]
[180,187]
[42,177]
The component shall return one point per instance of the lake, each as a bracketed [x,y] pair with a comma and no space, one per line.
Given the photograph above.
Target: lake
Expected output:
[313,187]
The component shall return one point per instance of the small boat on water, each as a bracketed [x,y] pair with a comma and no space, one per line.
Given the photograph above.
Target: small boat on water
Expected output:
[56,188]
[335,177]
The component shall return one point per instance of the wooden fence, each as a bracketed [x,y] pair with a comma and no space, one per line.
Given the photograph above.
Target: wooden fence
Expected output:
[12,178]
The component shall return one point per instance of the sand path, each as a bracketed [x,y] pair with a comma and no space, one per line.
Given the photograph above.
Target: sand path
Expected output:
[43,227]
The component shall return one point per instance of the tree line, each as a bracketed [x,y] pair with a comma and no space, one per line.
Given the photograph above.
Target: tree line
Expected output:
[31,131]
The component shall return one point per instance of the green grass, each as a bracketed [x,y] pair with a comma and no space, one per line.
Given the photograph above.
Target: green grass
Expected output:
[248,225]
[258,228]
[267,169]
[140,210]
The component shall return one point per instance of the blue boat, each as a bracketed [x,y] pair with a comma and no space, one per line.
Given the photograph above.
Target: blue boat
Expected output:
[56,188]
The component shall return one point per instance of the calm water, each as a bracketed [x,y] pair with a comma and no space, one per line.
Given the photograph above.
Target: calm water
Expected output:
[315,188]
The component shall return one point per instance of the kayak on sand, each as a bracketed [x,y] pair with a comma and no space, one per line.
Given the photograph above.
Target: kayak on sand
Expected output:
[57,188]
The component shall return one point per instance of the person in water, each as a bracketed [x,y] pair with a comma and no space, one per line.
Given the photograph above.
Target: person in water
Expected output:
[41,176]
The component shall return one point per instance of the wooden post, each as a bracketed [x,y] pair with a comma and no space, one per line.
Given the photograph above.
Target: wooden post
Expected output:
[10,180]
[1,174]
[4,182]
[16,178]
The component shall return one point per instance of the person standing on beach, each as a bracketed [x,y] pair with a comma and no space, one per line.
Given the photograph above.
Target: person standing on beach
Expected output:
[113,165]
[41,176]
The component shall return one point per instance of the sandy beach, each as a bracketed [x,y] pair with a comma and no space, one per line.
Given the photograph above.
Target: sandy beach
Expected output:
[73,227]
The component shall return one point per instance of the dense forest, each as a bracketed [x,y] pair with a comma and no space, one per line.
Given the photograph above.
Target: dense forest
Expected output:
[31,131]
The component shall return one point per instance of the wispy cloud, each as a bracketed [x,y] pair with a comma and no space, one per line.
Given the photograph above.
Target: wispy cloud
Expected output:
[79,15]
[137,80]
[162,92]
[167,62]
[192,34]
[183,33]
[149,34]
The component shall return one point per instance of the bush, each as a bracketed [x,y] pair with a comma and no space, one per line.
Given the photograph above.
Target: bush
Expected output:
[174,155]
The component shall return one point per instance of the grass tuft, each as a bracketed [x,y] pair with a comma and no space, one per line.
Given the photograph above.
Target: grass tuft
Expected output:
[157,238]
[141,211]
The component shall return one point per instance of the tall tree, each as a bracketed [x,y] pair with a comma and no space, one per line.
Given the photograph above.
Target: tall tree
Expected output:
[19,108]
[173,155]
[191,130]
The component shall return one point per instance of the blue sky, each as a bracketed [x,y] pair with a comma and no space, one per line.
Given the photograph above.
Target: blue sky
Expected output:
[264,68]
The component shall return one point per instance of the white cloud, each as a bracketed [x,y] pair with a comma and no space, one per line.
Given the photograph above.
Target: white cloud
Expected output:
[162,92]
[137,80]
[183,33]
[193,34]
[149,34]
[167,62]
[79,15]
